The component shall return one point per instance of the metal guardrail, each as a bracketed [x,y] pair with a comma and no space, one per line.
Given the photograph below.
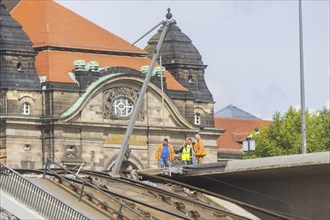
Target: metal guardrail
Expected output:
[34,197]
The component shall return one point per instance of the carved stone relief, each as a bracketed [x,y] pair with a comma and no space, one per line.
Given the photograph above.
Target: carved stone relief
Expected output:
[72,152]
[119,103]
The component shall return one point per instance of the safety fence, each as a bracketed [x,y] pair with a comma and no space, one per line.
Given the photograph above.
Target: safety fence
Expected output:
[34,197]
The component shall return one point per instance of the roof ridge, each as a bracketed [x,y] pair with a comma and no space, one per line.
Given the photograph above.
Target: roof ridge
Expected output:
[232,111]
[47,26]
[239,133]
[46,21]
[95,24]
[78,38]
[15,6]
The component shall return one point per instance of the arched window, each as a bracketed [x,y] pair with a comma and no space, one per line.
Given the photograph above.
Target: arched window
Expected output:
[123,106]
[197,119]
[26,108]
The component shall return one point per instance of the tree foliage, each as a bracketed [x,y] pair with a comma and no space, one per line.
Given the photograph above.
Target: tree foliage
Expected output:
[283,136]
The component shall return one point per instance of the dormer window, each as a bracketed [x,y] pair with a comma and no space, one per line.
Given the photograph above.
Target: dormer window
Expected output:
[19,67]
[197,119]
[26,108]
[190,80]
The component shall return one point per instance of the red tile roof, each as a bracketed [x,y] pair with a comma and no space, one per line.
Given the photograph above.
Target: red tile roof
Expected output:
[56,65]
[237,130]
[50,24]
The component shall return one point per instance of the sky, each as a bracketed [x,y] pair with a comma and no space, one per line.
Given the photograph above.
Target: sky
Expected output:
[251,48]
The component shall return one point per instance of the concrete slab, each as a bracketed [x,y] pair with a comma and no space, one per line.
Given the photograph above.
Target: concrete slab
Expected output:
[303,163]
[279,162]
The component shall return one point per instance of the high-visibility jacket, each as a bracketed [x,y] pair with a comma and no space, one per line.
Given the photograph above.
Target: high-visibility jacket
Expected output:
[199,148]
[160,149]
[186,153]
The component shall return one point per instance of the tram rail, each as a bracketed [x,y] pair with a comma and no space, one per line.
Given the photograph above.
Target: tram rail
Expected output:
[243,204]
[155,191]
[148,190]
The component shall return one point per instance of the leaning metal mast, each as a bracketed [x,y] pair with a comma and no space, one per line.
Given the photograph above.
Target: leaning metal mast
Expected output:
[166,23]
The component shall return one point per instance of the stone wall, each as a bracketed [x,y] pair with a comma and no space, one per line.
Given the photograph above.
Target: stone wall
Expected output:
[23,145]
[98,147]
[186,108]
[16,99]
[206,110]
[2,102]
[57,102]
[94,134]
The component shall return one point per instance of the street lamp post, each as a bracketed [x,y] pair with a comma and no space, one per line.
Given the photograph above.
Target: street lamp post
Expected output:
[302,83]
[249,145]
[248,140]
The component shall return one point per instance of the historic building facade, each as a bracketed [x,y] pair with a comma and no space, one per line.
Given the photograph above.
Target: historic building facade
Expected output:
[239,125]
[68,88]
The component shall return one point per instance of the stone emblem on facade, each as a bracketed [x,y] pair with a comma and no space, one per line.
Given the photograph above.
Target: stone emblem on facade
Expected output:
[119,103]
[72,152]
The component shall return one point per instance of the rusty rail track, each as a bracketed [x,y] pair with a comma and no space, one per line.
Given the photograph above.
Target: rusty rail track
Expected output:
[172,199]
[243,204]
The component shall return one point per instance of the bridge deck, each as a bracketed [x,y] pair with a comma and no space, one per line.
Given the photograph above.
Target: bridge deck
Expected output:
[283,165]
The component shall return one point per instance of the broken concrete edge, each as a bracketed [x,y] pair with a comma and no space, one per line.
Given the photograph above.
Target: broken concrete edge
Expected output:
[278,162]
[297,160]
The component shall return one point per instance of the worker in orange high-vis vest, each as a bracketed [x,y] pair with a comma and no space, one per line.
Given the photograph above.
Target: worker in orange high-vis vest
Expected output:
[165,153]
[199,149]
